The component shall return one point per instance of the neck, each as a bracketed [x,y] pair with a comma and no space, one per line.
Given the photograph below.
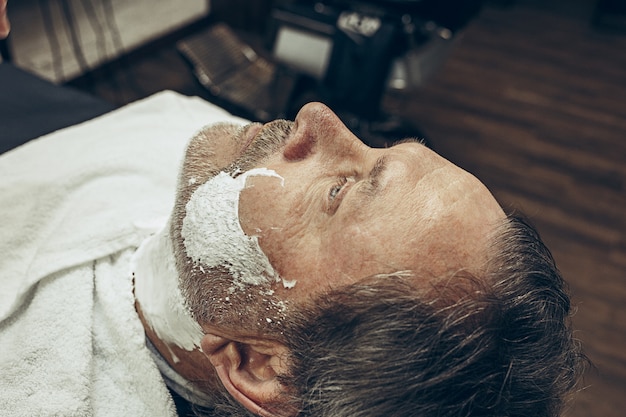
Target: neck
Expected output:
[162,310]
[158,293]
[192,365]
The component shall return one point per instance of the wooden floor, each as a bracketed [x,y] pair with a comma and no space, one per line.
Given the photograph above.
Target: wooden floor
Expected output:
[532,101]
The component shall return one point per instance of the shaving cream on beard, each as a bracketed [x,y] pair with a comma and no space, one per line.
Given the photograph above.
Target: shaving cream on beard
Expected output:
[158,293]
[213,236]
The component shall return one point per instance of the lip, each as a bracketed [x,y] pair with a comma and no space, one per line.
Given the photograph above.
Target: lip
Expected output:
[249,134]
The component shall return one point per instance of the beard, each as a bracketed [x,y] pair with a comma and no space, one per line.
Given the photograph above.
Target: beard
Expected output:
[267,141]
[208,292]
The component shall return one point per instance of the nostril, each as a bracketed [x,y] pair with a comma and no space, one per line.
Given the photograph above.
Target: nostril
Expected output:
[299,145]
[314,122]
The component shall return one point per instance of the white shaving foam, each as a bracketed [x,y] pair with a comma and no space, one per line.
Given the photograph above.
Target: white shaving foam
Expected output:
[159,295]
[213,236]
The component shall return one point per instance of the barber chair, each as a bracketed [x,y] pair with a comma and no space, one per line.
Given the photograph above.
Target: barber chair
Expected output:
[349,53]
[345,53]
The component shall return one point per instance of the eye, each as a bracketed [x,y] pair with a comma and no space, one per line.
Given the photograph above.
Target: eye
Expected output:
[337,192]
[336,188]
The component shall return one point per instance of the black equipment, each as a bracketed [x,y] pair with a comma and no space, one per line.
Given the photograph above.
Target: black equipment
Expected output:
[345,53]
[355,50]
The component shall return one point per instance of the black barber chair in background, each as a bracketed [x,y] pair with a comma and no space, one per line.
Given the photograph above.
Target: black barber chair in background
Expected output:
[345,53]
[348,53]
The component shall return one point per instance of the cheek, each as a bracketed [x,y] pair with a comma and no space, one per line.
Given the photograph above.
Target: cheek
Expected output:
[265,212]
[361,251]
[292,250]
[348,250]
[260,206]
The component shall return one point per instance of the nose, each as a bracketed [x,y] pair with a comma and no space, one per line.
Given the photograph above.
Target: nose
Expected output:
[318,129]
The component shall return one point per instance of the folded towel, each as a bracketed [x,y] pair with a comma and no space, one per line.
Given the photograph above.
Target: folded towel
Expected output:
[73,207]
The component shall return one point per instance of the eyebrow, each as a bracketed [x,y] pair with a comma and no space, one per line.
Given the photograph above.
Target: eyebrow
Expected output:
[377,171]
[371,186]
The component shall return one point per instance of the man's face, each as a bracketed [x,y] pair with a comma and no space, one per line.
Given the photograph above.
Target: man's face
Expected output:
[344,211]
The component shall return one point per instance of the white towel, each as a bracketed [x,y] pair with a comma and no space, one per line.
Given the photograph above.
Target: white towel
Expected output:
[71,208]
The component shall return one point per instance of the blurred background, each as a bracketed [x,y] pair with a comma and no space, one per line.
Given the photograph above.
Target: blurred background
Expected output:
[529,95]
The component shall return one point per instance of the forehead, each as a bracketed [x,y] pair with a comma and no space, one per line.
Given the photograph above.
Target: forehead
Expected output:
[429,215]
[415,182]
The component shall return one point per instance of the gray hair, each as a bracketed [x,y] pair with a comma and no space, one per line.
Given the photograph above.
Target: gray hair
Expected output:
[498,345]
[494,345]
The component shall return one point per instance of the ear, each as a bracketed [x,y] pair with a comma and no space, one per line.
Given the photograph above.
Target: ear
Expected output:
[248,370]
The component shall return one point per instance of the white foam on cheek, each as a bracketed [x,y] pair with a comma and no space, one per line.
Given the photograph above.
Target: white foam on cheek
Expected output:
[159,295]
[213,236]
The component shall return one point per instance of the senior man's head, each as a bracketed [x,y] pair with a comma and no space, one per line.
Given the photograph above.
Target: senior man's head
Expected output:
[335,279]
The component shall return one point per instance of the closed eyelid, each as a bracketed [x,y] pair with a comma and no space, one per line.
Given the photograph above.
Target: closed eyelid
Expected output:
[333,204]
